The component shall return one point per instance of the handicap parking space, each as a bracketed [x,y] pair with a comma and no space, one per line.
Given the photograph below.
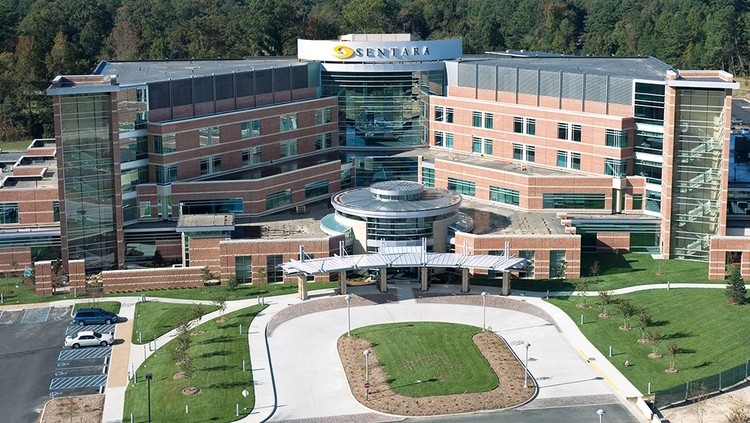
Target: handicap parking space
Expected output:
[74,329]
[10,317]
[35,315]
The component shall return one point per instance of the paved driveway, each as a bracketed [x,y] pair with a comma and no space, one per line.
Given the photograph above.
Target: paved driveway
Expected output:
[34,366]
[311,381]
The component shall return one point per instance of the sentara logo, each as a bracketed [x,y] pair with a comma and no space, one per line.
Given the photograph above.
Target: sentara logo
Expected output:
[343,52]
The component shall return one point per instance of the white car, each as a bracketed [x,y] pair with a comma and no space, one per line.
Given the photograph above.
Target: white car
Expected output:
[737,121]
[89,338]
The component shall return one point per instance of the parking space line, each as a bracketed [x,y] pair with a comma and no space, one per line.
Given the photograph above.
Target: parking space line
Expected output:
[35,315]
[78,382]
[85,353]
[74,329]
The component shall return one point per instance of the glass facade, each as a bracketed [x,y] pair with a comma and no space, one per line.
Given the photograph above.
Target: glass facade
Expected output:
[243,268]
[573,201]
[462,186]
[369,170]
[132,109]
[383,110]
[649,103]
[217,206]
[696,185]
[504,195]
[89,191]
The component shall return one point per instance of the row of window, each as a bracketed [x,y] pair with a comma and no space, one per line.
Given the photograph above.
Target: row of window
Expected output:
[167,143]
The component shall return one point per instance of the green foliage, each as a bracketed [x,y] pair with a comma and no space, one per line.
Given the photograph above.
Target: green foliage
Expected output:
[427,352]
[736,290]
[232,282]
[627,310]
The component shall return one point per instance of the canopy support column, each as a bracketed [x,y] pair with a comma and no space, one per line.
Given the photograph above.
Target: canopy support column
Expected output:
[464,280]
[342,282]
[302,287]
[506,283]
[423,279]
[383,279]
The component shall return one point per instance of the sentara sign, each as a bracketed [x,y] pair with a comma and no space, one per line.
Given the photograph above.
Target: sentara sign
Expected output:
[378,51]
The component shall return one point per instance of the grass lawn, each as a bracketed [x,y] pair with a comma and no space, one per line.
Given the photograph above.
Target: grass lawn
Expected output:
[217,352]
[113,306]
[154,319]
[710,334]
[15,292]
[20,145]
[441,355]
[240,293]
[621,270]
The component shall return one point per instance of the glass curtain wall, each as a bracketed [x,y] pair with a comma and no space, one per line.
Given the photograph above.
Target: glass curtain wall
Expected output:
[89,187]
[699,139]
[382,110]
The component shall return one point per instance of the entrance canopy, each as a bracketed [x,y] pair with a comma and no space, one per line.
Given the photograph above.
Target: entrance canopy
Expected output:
[396,257]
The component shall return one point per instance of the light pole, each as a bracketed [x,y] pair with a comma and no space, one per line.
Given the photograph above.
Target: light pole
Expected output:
[367,373]
[600,412]
[484,308]
[526,367]
[149,376]
[348,299]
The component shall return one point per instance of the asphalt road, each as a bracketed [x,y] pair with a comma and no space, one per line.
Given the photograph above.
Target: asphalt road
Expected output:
[741,109]
[28,360]
[580,413]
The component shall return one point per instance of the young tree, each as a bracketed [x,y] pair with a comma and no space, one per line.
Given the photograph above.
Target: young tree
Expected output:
[560,269]
[158,258]
[262,275]
[206,274]
[672,350]
[644,321]
[736,290]
[605,299]
[594,269]
[196,311]
[654,338]
[627,311]
[582,288]
[232,282]
[220,300]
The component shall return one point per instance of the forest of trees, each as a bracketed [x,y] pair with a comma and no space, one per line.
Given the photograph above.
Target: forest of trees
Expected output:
[44,38]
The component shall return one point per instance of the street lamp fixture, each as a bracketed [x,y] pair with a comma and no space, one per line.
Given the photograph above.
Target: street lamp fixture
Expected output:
[600,412]
[484,310]
[149,376]
[367,373]
[526,367]
[348,299]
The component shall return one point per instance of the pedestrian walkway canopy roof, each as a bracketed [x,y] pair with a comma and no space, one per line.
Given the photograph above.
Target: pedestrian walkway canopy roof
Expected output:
[402,257]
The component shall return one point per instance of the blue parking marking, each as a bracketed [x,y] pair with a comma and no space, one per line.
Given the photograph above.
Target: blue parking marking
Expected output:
[78,382]
[72,330]
[84,353]
[35,315]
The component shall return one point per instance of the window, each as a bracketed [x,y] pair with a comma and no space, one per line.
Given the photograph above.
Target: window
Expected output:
[251,156]
[461,186]
[476,145]
[323,116]
[637,201]
[615,138]
[323,141]
[243,268]
[562,131]
[488,118]
[649,103]
[575,161]
[315,189]
[504,195]
[448,115]
[531,126]
[439,113]
[208,136]
[274,272]
[278,199]
[140,95]
[210,165]
[165,174]
[517,152]
[557,263]
[518,125]
[428,177]
[289,122]
[573,201]
[529,266]
[164,144]
[576,132]
[8,213]
[289,148]
[476,120]
[614,167]
[56,211]
[530,153]
[449,140]
[487,146]
[562,159]
[438,139]
[653,201]
[145,208]
[570,132]
[250,129]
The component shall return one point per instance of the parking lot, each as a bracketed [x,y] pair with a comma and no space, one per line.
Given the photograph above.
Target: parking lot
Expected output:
[34,366]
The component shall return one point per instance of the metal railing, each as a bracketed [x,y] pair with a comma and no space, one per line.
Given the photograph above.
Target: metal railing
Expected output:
[702,387]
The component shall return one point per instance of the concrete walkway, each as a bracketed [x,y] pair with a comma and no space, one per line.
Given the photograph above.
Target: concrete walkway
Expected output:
[310,382]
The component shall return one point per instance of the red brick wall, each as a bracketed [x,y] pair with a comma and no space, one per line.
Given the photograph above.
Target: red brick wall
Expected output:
[21,255]
[719,246]
[146,279]
[612,242]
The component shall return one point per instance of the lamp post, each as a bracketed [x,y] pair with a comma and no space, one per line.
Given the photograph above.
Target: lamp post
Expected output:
[600,412]
[348,299]
[484,310]
[149,376]
[367,373]
[526,367]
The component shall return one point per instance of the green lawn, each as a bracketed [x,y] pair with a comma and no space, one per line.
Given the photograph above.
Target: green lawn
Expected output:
[15,292]
[711,335]
[20,145]
[113,306]
[154,319]
[217,352]
[441,355]
[619,271]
